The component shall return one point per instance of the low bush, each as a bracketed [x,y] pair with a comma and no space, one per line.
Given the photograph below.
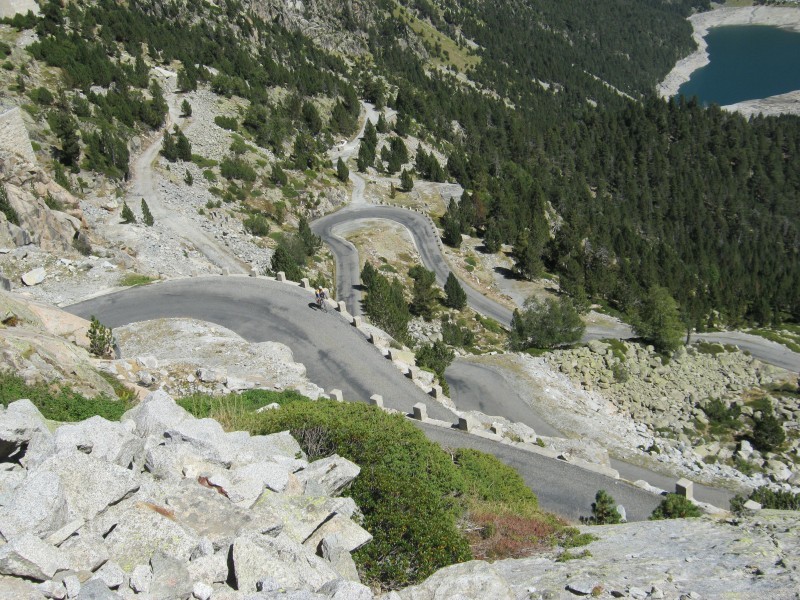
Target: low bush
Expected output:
[674,506]
[604,510]
[59,403]
[768,498]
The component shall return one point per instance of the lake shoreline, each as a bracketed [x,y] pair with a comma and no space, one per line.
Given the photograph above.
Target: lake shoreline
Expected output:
[785,17]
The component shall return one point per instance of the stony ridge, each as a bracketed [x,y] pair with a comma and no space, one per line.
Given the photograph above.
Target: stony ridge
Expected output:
[164,505]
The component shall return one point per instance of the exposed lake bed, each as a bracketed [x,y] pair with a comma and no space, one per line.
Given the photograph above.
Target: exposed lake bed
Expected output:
[783,17]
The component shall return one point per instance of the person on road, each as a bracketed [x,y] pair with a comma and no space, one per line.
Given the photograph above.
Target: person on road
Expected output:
[320,295]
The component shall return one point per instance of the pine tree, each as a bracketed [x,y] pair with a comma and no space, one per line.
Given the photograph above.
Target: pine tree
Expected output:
[406,181]
[186,108]
[127,214]
[342,172]
[604,510]
[147,216]
[183,148]
[491,238]
[455,297]
[168,148]
[101,338]
[311,242]
[452,232]
[424,294]
[657,320]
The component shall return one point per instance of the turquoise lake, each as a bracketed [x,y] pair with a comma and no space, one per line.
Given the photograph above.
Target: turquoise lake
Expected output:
[747,62]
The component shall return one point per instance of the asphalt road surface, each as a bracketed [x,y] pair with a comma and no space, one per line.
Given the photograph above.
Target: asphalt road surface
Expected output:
[337,356]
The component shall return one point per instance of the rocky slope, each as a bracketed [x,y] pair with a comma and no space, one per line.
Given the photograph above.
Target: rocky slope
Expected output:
[163,505]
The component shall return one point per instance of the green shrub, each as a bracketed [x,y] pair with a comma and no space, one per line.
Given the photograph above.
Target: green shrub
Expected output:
[721,417]
[229,123]
[767,498]
[604,510]
[674,506]
[236,168]
[6,208]
[59,403]
[257,225]
[147,216]
[768,432]
[101,338]
[408,488]
[134,279]
[127,214]
[490,480]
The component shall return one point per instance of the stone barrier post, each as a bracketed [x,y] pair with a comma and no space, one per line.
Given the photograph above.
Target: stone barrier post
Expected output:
[685,488]
[336,395]
[280,276]
[420,411]
[376,400]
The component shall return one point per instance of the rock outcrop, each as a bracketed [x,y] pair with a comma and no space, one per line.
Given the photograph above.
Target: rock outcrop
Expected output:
[163,505]
[755,557]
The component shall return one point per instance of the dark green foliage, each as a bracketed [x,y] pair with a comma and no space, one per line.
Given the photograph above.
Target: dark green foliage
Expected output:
[42,96]
[722,417]
[455,335]
[452,231]
[427,167]
[768,432]
[657,320]
[101,339]
[395,155]
[59,403]
[65,128]
[106,152]
[311,242]
[176,146]
[233,167]
[278,176]
[6,208]
[186,108]
[406,181]
[385,303]
[768,498]
[545,324]
[311,118]
[342,172]
[528,255]
[408,488]
[491,239]
[490,480]
[674,506]
[147,216]
[289,257]
[604,510]
[188,178]
[257,225]
[5,49]
[229,123]
[455,296]
[424,294]
[127,214]
[437,357]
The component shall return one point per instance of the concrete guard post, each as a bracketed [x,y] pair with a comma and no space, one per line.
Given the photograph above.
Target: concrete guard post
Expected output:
[685,488]
[304,283]
[411,372]
[341,306]
[356,322]
[336,395]
[465,424]
[420,411]
[376,400]
[280,276]
[436,391]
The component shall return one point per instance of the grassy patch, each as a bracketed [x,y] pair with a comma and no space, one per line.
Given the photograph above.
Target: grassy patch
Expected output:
[203,162]
[618,348]
[59,403]
[134,279]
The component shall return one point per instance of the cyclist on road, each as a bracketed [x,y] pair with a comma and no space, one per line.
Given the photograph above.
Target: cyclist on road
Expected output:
[320,295]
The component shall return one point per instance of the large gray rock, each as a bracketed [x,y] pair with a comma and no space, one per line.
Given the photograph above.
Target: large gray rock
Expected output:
[12,588]
[96,590]
[282,559]
[85,552]
[24,437]
[346,590]
[301,515]
[210,569]
[142,529]
[248,482]
[90,485]
[348,534]
[270,448]
[340,559]
[472,580]
[171,579]
[34,277]
[38,505]
[157,413]
[29,557]
[328,476]
[101,439]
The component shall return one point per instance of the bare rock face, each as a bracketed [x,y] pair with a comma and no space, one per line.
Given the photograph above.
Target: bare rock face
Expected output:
[754,557]
[88,519]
